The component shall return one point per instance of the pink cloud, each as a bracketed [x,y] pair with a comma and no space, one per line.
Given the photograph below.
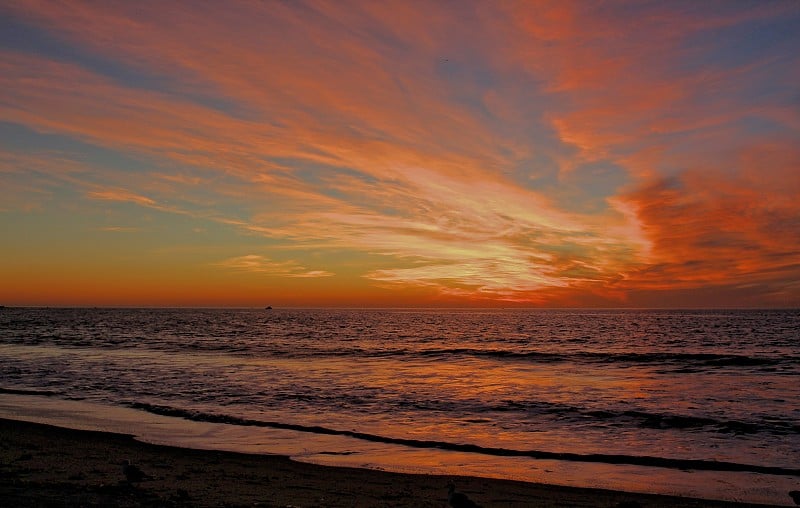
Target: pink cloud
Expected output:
[414,135]
[121,195]
[262,265]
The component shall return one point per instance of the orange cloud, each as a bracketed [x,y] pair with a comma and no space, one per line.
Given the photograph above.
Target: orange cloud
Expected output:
[711,227]
[259,264]
[562,152]
[121,195]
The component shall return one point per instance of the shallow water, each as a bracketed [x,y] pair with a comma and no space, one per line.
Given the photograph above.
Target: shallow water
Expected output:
[596,391]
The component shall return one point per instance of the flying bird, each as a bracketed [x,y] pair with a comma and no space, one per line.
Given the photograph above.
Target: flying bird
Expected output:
[459,499]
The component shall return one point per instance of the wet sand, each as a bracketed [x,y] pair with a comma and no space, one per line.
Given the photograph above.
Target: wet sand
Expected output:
[41,465]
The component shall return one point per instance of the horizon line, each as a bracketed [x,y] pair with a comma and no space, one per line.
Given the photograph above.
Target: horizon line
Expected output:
[355,307]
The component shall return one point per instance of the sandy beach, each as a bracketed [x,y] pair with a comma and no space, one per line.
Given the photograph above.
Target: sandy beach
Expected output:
[43,465]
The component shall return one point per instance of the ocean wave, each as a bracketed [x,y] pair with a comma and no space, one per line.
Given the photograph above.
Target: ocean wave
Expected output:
[638,460]
[521,411]
[25,391]
[660,358]
[266,347]
[643,419]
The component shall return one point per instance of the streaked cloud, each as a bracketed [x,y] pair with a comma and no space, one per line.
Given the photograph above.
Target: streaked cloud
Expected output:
[555,153]
[260,264]
[120,229]
[121,195]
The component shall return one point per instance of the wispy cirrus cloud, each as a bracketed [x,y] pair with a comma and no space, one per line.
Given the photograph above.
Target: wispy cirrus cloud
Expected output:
[120,229]
[502,152]
[260,264]
[121,195]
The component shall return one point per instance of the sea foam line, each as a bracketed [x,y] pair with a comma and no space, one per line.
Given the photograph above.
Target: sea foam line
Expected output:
[636,460]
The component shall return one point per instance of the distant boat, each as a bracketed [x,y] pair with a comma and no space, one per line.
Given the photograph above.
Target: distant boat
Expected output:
[268,307]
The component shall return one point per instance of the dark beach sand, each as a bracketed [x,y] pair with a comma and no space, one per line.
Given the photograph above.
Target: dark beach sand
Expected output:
[42,465]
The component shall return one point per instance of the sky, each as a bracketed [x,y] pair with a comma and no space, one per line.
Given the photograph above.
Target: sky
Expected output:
[400,153]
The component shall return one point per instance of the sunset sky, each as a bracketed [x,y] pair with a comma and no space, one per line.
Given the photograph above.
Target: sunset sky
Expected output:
[410,153]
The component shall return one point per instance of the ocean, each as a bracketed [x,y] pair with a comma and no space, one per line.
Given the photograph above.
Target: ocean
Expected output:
[688,402]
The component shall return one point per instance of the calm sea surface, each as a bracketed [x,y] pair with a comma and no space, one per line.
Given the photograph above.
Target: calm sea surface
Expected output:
[680,390]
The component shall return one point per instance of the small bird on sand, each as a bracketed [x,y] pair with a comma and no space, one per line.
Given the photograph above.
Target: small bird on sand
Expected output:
[132,472]
[795,495]
[459,499]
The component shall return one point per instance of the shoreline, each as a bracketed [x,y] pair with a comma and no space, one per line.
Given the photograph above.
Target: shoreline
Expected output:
[45,465]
